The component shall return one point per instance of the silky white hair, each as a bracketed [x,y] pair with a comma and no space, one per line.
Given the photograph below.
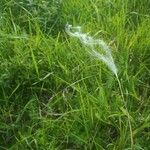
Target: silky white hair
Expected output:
[90,42]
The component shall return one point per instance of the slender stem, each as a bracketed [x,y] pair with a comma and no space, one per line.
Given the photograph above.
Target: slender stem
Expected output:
[129,121]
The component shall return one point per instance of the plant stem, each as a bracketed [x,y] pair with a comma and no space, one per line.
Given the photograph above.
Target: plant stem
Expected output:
[129,121]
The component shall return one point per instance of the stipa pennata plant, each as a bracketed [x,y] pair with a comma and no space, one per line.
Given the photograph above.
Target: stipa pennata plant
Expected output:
[104,56]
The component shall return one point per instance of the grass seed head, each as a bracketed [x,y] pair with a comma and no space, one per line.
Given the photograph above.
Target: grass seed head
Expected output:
[105,57]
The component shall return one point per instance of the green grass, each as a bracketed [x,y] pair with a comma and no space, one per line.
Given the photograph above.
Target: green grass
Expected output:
[54,96]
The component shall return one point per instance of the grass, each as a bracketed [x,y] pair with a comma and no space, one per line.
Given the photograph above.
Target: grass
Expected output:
[54,96]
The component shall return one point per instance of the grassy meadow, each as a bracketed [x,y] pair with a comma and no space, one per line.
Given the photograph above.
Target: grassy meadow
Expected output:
[54,95]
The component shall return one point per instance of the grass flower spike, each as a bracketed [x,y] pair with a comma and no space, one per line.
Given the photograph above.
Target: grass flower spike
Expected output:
[105,56]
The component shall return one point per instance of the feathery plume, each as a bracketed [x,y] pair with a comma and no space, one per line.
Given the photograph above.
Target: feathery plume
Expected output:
[106,57]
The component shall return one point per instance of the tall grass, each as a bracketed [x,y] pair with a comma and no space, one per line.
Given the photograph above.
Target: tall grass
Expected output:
[104,56]
[54,96]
